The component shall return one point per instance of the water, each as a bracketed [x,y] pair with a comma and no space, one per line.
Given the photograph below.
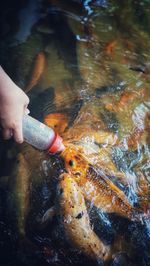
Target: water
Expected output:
[86,68]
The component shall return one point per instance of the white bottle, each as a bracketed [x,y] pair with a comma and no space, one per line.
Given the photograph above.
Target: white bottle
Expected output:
[41,136]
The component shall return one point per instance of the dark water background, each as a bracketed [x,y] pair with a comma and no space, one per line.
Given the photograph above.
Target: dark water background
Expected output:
[96,52]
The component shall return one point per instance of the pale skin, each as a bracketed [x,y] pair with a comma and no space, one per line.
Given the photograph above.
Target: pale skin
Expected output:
[13,104]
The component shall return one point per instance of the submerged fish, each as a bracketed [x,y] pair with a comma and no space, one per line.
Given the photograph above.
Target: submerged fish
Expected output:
[38,69]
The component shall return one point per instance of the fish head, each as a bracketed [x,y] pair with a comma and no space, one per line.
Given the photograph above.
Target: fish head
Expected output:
[74,161]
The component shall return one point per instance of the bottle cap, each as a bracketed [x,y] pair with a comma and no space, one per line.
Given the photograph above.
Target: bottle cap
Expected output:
[57,145]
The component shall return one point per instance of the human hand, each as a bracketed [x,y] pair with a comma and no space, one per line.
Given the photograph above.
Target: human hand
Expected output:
[13,104]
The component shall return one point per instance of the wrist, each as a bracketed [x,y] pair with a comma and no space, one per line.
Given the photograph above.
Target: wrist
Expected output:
[6,84]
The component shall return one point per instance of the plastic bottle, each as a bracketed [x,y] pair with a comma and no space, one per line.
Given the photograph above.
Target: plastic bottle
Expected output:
[41,136]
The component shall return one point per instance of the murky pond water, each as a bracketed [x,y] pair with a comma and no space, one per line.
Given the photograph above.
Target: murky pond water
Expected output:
[86,68]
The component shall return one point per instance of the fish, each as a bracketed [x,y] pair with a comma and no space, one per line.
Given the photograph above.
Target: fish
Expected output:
[18,197]
[110,47]
[38,69]
[96,186]
[58,122]
[76,220]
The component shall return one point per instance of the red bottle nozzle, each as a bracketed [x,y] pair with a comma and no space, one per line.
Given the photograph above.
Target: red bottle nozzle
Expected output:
[57,145]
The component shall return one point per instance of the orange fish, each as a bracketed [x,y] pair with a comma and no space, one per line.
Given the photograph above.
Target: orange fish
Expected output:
[127,97]
[96,187]
[37,71]
[110,47]
[76,220]
[135,137]
[56,121]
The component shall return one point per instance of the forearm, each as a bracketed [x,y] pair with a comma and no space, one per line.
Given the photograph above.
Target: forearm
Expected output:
[5,82]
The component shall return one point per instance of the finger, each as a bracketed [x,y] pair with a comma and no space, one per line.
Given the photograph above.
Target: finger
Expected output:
[7,133]
[18,134]
[27,102]
[27,111]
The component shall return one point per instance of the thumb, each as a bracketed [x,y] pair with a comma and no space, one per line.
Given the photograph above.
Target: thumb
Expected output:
[27,111]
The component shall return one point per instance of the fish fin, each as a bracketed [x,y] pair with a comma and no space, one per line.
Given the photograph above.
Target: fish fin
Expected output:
[48,215]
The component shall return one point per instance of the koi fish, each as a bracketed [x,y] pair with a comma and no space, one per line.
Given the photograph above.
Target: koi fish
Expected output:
[37,71]
[76,220]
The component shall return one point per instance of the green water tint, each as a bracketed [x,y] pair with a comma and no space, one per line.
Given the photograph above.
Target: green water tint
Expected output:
[97,72]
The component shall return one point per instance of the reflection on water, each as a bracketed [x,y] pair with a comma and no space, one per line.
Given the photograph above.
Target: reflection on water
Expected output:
[86,67]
